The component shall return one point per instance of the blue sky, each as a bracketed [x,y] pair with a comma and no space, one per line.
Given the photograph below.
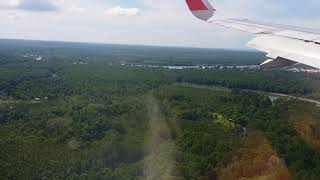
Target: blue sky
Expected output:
[147,22]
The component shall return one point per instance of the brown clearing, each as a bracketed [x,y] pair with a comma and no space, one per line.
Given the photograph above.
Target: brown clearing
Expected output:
[258,161]
[307,123]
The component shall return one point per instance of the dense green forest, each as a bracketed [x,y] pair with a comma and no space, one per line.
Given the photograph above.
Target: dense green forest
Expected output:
[101,120]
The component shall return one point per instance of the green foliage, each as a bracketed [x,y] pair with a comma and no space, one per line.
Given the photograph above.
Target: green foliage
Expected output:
[219,119]
[208,146]
[271,81]
[60,120]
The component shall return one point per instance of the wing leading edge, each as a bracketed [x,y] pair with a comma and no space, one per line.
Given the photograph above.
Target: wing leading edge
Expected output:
[284,45]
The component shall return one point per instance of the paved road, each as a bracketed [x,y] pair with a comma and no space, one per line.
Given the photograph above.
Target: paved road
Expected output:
[297,98]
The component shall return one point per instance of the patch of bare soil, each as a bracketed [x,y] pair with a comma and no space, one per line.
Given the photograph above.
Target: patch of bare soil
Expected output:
[57,122]
[160,163]
[307,124]
[7,104]
[258,162]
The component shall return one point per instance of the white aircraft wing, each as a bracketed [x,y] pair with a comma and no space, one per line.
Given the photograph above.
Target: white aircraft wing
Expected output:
[284,45]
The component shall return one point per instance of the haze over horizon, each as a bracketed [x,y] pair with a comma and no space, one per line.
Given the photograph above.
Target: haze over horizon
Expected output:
[143,22]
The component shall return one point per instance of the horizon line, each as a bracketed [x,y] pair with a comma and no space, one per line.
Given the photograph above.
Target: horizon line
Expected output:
[123,44]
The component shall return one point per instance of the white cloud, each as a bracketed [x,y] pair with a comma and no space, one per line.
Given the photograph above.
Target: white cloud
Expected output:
[29,5]
[9,3]
[15,16]
[119,11]
[164,22]
[75,9]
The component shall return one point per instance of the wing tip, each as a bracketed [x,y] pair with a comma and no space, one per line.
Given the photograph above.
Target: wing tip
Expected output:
[201,9]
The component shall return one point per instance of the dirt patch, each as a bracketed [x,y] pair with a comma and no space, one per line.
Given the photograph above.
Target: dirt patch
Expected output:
[257,161]
[57,122]
[160,163]
[7,104]
[307,124]
[73,144]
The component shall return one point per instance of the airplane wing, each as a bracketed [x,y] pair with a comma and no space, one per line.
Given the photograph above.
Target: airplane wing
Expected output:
[284,45]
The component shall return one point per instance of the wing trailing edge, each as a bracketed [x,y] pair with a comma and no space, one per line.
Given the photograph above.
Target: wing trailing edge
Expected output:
[276,63]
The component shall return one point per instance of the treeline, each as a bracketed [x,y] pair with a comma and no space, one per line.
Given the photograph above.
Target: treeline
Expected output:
[270,81]
[62,81]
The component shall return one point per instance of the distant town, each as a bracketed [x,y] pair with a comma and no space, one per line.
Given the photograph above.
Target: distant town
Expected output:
[295,69]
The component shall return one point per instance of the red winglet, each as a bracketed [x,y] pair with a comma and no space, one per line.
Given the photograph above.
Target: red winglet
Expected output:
[196,5]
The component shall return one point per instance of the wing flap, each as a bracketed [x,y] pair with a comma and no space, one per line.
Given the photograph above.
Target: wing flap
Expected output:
[291,49]
[274,53]
[276,63]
